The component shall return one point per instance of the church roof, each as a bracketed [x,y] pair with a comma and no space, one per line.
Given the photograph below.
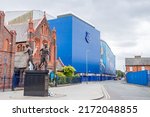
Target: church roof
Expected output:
[137,61]
[22,29]
[13,17]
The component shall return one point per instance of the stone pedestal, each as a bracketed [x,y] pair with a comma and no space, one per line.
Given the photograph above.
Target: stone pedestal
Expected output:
[36,83]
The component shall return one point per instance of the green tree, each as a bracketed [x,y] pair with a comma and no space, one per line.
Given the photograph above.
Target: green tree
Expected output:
[69,71]
[120,73]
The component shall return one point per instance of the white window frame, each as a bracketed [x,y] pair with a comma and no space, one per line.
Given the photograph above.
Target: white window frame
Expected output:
[131,68]
[142,68]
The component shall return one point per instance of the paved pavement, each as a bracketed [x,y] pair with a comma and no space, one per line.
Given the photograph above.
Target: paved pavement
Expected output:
[82,91]
[105,90]
[120,90]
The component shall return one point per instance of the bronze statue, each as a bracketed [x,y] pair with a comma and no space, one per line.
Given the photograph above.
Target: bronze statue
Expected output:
[44,54]
[30,57]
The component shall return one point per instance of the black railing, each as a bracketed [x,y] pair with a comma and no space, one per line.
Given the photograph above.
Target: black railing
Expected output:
[67,80]
[5,83]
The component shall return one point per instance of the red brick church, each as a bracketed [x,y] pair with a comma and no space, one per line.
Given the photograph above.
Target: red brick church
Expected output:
[13,38]
[36,32]
[7,53]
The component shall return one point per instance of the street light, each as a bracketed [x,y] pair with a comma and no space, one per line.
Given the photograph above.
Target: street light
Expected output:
[101,67]
[100,72]
[11,52]
[5,61]
[55,54]
[87,66]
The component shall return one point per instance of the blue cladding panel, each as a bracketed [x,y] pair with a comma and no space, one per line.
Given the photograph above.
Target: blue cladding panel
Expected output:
[85,47]
[140,77]
[107,61]
[64,38]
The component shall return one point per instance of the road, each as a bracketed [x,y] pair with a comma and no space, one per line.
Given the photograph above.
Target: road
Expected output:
[103,90]
[120,90]
[112,90]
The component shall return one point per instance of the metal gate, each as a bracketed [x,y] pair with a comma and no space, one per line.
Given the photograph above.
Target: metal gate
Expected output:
[16,78]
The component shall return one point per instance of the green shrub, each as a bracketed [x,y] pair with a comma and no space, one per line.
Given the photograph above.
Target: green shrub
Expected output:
[76,76]
[60,74]
[67,75]
[69,71]
[61,78]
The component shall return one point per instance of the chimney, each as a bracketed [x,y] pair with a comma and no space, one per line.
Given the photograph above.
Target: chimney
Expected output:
[2,16]
[137,57]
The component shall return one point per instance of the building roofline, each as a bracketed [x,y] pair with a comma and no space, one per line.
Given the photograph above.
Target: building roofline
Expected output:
[25,10]
[108,46]
[7,30]
[137,61]
[70,14]
[18,11]
[139,58]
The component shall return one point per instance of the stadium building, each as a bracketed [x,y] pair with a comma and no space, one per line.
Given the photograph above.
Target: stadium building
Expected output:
[79,45]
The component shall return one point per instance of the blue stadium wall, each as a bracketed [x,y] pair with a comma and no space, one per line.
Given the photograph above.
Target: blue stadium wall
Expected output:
[85,47]
[107,59]
[79,45]
[63,27]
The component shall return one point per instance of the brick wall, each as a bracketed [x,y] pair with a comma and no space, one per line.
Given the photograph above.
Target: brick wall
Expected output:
[137,68]
[7,53]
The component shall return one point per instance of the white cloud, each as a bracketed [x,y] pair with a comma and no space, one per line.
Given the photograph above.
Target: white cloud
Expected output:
[124,24]
[143,28]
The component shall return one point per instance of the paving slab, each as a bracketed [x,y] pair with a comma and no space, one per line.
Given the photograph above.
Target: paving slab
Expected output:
[82,91]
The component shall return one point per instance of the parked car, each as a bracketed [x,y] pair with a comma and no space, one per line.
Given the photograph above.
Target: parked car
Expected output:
[117,78]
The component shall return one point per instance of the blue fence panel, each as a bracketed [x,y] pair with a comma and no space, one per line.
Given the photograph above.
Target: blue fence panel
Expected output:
[95,78]
[84,78]
[140,77]
[109,77]
[100,78]
[16,80]
[89,78]
[148,73]
[103,78]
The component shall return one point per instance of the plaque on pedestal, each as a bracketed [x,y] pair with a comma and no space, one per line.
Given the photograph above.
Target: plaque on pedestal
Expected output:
[36,83]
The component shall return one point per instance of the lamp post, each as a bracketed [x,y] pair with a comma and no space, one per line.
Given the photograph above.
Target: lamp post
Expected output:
[55,48]
[99,71]
[11,52]
[13,36]
[87,66]
[101,68]
[5,60]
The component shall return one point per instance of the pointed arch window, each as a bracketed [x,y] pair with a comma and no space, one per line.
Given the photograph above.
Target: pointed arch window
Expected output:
[20,48]
[6,45]
[23,48]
